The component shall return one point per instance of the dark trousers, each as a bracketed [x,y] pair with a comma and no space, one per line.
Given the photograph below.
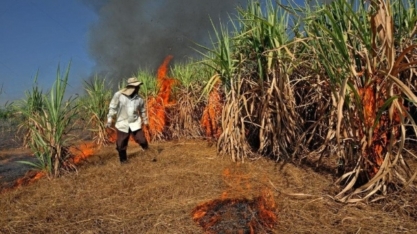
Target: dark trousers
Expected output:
[123,140]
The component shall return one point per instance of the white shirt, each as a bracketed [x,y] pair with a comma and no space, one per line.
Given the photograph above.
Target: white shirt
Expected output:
[128,111]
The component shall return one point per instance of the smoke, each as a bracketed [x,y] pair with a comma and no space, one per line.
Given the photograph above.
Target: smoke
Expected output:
[131,35]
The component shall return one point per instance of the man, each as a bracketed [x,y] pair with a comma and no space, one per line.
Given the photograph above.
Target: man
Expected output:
[131,113]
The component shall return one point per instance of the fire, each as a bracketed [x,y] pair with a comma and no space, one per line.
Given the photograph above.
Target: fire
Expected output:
[79,153]
[377,146]
[164,82]
[83,151]
[29,178]
[156,117]
[235,211]
[157,121]
[111,135]
[157,105]
[212,112]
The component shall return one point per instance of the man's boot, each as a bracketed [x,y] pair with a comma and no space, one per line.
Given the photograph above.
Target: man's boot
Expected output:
[123,156]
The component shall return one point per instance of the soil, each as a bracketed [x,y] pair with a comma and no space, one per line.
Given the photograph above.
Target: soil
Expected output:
[158,190]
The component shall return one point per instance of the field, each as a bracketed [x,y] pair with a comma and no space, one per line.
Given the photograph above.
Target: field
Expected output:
[157,191]
[292,101]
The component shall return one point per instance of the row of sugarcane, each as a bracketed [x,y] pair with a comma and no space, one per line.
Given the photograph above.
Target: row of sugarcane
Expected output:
[325,84]
[321,83]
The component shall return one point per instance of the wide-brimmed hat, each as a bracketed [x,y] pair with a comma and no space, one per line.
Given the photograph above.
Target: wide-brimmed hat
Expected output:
[132,83]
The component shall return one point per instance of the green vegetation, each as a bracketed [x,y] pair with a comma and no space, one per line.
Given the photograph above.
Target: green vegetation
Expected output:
[95,104]
[149,86]
[186,115]
[7,114]
[48,119]
[7,111]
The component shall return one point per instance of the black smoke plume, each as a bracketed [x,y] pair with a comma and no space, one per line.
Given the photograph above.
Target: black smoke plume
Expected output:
[132,35]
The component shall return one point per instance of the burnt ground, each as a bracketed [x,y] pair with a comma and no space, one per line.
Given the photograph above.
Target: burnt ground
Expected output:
[11,166]
[11,155]
[158,190]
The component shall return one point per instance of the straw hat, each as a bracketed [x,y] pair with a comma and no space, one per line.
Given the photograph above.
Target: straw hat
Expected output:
[132,83]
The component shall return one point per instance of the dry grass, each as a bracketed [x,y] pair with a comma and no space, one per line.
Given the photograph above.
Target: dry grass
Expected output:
[144,196]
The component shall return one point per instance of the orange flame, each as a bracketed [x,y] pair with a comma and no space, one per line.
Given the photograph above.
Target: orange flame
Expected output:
[164,82]
[212,112]
[83,151]
[378,145]
[156,116]
[111,135]
[29,178]
[157,105]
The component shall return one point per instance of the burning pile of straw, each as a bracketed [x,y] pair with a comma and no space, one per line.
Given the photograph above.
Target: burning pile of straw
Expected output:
[257,215]
[244,207]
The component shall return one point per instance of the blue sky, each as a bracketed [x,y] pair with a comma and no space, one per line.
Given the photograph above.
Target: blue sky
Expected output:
[36,37]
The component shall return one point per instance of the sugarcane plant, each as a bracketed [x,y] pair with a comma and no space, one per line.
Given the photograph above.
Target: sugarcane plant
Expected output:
[184,116]
[328,82]
[8,115]
[364,63]
[30,105]
[48,119]
[95,105]
[254,64]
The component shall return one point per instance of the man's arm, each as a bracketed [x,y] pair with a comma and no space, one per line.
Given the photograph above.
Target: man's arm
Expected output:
[113,107]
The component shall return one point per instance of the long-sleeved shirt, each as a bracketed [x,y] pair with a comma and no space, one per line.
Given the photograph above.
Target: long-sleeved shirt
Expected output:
[131,112]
